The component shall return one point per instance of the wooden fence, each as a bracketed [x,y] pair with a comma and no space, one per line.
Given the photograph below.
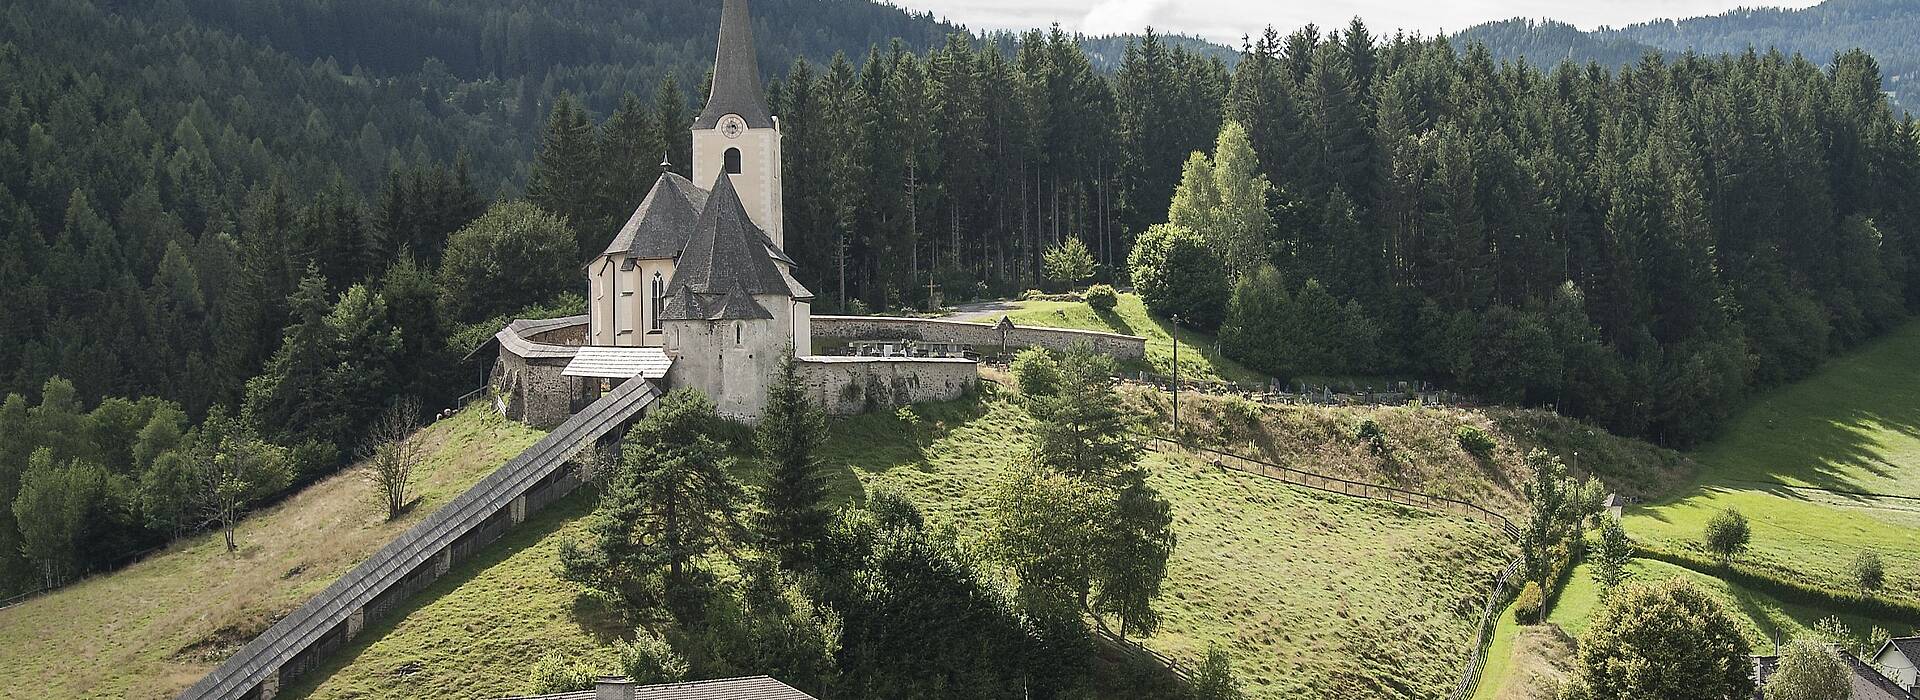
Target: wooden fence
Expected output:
[1483,640]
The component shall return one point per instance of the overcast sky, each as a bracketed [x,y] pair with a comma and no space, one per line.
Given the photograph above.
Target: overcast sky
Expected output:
[1226,20]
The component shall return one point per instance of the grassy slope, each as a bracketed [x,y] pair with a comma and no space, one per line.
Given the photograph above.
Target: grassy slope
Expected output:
[1423,453]
[1855,426]
[1199,359]
[1315,596]
[476,632]
[153,628]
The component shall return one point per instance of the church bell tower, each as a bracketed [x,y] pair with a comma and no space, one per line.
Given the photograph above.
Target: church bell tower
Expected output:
[736,133]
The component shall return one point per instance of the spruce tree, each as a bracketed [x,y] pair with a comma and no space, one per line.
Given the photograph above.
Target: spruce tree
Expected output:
[794,498]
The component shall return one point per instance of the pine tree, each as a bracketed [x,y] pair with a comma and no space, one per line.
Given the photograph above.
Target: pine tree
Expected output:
[565,173]
[788,435]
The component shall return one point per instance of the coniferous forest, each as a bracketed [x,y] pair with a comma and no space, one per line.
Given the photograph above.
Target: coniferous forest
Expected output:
[246,231]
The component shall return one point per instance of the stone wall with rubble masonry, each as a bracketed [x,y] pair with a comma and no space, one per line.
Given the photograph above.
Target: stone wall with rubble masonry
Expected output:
[985,336]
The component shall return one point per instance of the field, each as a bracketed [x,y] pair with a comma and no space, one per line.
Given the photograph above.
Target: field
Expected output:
[1801,464]
[155,627]
[1521,655]
[1314,596]
[1200,360]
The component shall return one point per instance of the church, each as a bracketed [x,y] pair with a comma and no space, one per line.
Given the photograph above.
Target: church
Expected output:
[696,280]
[697,291]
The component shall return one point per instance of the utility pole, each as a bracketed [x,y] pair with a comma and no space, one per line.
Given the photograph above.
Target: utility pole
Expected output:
[1176,376]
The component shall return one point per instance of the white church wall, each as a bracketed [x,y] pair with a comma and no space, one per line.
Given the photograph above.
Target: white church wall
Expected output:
[758,183]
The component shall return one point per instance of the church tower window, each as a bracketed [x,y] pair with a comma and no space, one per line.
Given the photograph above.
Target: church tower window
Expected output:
[659,300]
[733,161]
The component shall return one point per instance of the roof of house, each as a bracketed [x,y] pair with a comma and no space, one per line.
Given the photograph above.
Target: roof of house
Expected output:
[1868,683]
[1907,646]
[726,263]
[736,73]
[660,226]
[750,688]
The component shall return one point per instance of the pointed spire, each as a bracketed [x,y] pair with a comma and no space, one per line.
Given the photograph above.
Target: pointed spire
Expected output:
[736,73]
[666,163]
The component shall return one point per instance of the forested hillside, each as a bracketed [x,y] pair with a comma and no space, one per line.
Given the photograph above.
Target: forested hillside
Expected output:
[1884,28]
[283,211]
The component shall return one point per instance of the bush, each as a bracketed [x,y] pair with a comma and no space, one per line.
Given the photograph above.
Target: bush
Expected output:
[1102,297]
[558,673]
[649,660]
[1373,435]
[1475,441]
[1178,274]
[1531,605]
[1036,373]
[1665,641]
[1069,263]
[1727,535]
[1867,573]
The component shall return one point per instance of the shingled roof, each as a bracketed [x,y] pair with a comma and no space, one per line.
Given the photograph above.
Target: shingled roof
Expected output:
[736,73]
[726,263]
[659,228]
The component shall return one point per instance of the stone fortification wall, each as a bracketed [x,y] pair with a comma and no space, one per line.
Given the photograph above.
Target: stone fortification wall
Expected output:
[983,336]
[533,391]
[845,386]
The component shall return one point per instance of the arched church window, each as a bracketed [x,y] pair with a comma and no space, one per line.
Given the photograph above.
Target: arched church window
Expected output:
[659,300]
[733,161]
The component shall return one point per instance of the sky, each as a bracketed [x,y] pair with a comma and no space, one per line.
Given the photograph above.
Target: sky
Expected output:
[1226,21]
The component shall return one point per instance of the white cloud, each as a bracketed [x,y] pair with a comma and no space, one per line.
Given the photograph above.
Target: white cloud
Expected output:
[1227,20]
[1126,16]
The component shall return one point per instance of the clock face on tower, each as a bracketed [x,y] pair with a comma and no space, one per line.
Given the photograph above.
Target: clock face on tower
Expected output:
[732,126]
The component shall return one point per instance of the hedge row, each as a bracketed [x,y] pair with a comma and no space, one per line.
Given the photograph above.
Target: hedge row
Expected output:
[1870,607]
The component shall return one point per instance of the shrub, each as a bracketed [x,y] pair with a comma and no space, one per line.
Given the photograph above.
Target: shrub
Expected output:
[1214,680]
[1531,604]
[1727,535]
[649,660]
[1475,441]
[1809,671]
[1036,373]
[1177,273]
[1069,263]
[1665,641]
[1788,591]
[558,673]
[1867,573]
[1102,297]
[1373,435]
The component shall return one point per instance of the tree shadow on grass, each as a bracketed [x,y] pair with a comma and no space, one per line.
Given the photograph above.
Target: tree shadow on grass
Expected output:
[883,441]
[547,523]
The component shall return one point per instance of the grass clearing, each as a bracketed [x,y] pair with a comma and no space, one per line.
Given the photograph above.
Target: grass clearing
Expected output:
[155,627]
[1200,358]
[1797,461]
